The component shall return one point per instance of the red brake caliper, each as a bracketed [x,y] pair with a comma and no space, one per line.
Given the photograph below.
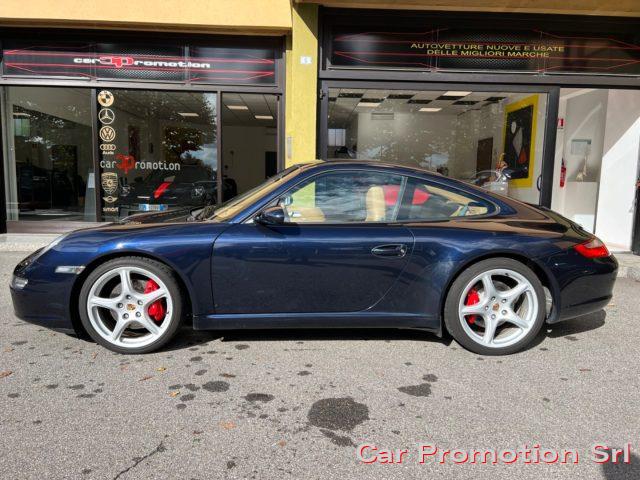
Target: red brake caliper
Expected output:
[473,297]
[157,309]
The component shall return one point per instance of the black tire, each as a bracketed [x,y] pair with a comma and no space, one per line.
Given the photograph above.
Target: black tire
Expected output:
[453,322]
[163,272]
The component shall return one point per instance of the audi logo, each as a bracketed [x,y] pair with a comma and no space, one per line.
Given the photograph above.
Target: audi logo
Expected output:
[107,147]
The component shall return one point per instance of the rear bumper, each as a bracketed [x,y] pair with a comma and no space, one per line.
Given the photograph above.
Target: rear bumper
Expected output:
[584,285]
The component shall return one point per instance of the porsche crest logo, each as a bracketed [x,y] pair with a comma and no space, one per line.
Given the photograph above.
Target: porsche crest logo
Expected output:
[109,181]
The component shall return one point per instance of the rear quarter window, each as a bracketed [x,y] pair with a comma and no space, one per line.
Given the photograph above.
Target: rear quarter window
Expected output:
[427,201]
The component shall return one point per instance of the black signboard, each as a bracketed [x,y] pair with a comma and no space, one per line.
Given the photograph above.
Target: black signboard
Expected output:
[181,63]
[450,47]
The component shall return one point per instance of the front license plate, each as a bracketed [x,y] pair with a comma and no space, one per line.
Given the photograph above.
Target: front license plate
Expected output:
[148,207]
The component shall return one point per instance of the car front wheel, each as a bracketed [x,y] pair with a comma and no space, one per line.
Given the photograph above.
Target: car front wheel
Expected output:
[495,307]
[131,305]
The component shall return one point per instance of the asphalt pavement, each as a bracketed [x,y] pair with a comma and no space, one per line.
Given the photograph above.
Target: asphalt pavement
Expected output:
[299,404]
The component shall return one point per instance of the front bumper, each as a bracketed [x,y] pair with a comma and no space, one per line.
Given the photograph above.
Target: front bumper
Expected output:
[44,299]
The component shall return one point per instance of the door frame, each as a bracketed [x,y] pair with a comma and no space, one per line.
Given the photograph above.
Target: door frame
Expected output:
[549,143]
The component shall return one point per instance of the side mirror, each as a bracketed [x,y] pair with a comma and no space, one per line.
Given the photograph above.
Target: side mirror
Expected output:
[271,216]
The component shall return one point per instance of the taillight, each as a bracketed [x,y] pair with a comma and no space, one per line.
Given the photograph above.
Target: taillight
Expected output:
[161,189]
[594,248]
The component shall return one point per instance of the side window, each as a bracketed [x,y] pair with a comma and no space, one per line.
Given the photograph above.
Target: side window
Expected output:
[347,196]
[426,201]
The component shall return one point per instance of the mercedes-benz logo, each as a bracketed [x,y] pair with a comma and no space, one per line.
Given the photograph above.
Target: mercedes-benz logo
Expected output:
[106,116]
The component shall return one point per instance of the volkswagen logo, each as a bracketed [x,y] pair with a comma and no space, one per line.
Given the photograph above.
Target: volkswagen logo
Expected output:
[107,134]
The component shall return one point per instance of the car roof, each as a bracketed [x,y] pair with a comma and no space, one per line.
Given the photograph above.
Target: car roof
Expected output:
[330,164]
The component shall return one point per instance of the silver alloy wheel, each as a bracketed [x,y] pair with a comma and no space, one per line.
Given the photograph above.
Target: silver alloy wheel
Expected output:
[506,308]
[118,308]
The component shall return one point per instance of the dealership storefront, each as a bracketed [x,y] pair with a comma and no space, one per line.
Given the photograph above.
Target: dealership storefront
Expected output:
[100,126]
[554,101]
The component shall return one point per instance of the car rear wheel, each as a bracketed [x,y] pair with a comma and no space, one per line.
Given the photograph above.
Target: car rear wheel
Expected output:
[131,305]
[495,307]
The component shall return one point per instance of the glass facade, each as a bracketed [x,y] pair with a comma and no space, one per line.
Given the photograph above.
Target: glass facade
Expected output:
[49,174]
[158,150]
[491,139]
[101,128]
[95,155]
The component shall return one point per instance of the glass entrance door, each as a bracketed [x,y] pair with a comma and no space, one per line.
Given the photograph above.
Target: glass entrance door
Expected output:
[249,141]
[494,139]
[49,173]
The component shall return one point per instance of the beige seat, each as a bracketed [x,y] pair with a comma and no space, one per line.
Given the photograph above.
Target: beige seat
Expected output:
[376,208]
[305,214]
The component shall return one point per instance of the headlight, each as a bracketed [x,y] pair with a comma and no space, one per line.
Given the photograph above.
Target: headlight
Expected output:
[18,283]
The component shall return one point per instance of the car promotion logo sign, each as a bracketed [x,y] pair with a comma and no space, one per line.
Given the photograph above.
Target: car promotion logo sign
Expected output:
[125,162]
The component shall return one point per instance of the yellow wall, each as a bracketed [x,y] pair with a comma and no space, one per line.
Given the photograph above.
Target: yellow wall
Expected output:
[630,8]
[238,16]
[301,86]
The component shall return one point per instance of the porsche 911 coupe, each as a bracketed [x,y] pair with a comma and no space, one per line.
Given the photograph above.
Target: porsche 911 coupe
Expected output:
[334,244]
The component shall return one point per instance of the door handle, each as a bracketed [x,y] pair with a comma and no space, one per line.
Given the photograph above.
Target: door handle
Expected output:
[391,250]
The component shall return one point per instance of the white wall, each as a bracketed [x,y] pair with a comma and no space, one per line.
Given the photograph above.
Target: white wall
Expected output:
[246,165]
[615,214]
[421,139]
[473,126]
[585,115]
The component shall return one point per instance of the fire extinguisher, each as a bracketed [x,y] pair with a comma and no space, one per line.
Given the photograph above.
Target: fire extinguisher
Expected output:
[563,174]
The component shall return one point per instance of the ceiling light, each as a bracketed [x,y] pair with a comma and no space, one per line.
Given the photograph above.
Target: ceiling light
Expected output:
[430,109]
[369,104]
[264,117]
[21,114]
[453,93]
[188,114]
[237,107]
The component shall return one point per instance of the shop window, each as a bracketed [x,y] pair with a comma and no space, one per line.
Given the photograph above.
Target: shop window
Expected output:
[249,141]
[49,174]
[158,151]
[491,139]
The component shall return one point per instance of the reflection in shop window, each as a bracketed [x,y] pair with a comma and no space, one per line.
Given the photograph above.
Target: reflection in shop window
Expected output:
[49,169]
[158,151]
[459,134]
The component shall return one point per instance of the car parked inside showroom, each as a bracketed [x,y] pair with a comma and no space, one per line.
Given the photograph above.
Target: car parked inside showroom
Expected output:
[335,244]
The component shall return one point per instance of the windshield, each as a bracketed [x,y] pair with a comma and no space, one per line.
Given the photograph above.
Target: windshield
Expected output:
[230,209]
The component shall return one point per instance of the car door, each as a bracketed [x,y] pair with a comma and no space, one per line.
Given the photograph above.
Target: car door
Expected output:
[339,250]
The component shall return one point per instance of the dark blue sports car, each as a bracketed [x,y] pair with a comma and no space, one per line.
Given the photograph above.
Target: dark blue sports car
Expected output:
[335,244]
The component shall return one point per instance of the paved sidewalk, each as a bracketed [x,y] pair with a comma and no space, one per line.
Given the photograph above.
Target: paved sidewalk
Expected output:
[27,242]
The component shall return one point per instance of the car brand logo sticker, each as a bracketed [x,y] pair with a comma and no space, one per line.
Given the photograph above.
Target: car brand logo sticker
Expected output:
[106,116]
[107,134]
[109,181]
[105,98]
[107,148]
[110,199]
